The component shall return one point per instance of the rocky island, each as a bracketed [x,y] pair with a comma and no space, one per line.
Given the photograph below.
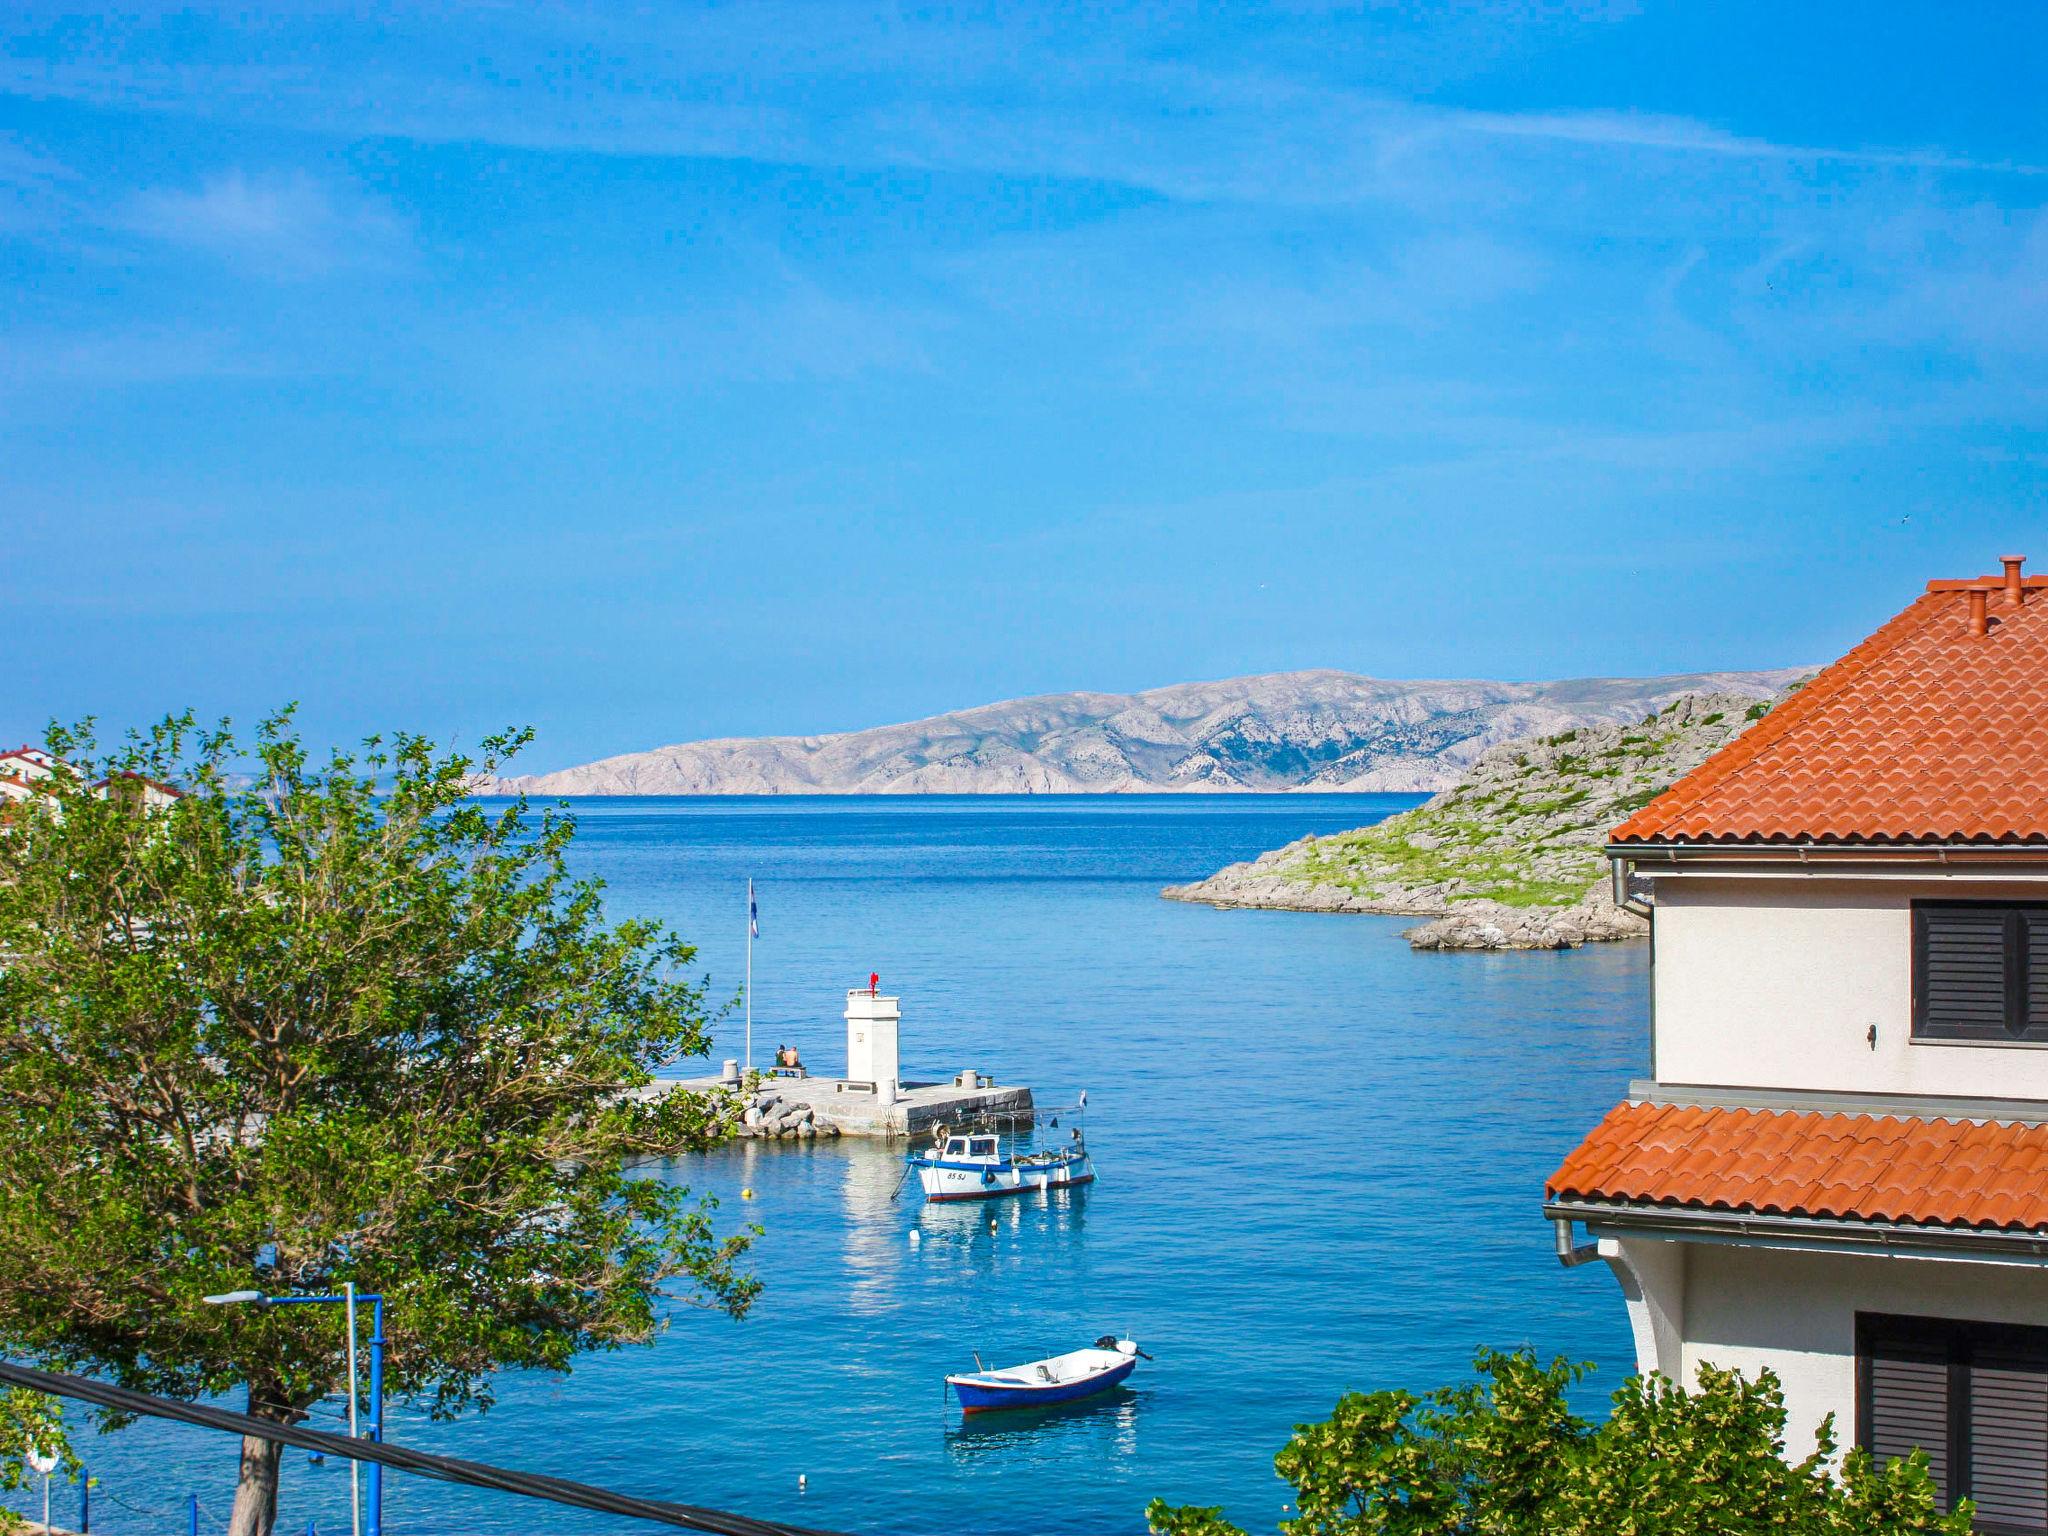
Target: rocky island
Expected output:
[1511,856]
[1319,730]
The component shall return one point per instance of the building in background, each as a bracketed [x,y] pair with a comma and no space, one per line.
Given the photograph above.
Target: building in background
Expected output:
[150,794]
[22,769]
[28,771]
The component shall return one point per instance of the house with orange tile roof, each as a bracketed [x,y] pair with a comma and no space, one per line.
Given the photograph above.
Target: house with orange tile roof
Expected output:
[1838,1169]
[21,769]
[26,771]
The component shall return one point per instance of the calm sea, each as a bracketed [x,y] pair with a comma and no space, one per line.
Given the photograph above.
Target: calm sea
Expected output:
[1322,1157]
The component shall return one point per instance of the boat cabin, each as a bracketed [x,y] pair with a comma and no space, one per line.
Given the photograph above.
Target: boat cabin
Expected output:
[970,1149]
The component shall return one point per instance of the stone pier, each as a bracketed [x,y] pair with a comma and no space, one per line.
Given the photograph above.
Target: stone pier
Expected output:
[870,1100]
[838,1107]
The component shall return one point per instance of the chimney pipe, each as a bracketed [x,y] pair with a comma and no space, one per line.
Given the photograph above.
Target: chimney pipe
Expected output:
[2015,589]
[1980,611]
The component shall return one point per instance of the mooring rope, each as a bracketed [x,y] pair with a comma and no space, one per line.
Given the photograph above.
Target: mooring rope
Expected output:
[450,1469]
[114,1498]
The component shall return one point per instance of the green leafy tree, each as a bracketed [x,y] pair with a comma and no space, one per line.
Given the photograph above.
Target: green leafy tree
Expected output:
[311,1023]
[1505,1456]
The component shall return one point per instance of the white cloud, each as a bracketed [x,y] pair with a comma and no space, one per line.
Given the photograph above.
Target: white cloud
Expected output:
[21,164]
[1348,260]
[34,361]
[845,85]
[788,331]
[1684,135]
[283,226]
[36,191]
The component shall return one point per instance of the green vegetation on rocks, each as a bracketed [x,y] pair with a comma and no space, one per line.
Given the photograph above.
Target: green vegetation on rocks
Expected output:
[1512,856]
[1528,827]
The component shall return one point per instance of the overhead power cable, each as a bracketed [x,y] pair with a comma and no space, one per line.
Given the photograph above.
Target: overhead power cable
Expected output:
[448,1469]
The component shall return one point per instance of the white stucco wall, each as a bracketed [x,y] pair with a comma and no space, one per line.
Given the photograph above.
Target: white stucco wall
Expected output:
[1775,983]
[1652,1275]
[1795,1313]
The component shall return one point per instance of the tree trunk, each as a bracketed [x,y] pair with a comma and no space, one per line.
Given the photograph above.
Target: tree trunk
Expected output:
[256,1491]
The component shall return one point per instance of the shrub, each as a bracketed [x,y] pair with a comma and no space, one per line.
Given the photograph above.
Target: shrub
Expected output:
[1506,1456]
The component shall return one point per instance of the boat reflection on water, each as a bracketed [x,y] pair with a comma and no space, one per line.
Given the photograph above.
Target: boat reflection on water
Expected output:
[1105,1426]
[867,1177]
[1042,1211]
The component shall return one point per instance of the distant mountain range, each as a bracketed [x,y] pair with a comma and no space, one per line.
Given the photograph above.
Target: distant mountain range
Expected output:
[1317,730]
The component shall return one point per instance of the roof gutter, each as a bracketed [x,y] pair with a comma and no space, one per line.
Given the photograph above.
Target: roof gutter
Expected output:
[1905,853]
[1811,858]
[1807,1233]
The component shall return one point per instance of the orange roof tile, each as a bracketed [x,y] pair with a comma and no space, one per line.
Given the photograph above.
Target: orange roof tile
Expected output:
[1892,1168]
[1925,732]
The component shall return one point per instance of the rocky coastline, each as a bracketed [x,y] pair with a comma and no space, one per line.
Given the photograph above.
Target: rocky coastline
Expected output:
[1511,857]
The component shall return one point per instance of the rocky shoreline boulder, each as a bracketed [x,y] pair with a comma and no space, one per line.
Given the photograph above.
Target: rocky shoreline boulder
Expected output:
[1492,925]
[769,1116]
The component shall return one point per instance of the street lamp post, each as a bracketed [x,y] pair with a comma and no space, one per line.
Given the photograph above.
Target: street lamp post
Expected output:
[45,1463]
[347,1299]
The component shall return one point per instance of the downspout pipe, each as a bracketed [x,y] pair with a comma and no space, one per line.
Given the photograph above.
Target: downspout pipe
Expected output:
[1570,1254]
[1619,868]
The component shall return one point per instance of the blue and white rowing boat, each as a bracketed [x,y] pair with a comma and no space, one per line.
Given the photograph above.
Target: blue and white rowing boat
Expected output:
[1057,1379]
[973,1166]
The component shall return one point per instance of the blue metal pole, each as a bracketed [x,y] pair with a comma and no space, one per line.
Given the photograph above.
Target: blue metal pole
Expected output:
[84,1503]
[192,1512]
[376,1469]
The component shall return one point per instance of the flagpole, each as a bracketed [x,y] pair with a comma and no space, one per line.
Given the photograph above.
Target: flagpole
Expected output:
[750,973]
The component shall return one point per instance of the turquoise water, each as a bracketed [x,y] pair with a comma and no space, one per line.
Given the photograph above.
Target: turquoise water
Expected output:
[1322,1158]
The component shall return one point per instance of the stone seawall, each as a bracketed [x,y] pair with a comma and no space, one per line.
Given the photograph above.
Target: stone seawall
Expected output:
[822,1108]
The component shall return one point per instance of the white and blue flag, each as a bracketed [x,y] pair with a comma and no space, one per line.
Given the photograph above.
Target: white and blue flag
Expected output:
[753,914]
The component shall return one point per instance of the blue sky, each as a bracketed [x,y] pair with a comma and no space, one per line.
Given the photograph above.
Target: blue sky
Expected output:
[655,372]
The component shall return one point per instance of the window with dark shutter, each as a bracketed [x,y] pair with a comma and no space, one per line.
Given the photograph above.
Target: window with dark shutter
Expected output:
[2008,1432]
[1980,970]
[2037,971]
[1974,1397]
[1907,1383]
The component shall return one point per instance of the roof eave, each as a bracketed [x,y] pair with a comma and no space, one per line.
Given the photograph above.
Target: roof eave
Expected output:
[1803,850]
[1809,1234]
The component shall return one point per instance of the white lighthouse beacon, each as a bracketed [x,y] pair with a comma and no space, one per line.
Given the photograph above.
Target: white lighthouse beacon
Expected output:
[871,1021]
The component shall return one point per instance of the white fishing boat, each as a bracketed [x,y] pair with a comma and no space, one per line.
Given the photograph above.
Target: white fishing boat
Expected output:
[972,1165]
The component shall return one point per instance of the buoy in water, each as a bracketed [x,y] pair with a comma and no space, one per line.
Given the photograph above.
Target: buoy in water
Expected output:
[799,1482]
[916,1237]
[991,1223]
[746,1194]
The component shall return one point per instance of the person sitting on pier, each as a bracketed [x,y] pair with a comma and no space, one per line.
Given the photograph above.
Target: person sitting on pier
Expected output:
[787,1060]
